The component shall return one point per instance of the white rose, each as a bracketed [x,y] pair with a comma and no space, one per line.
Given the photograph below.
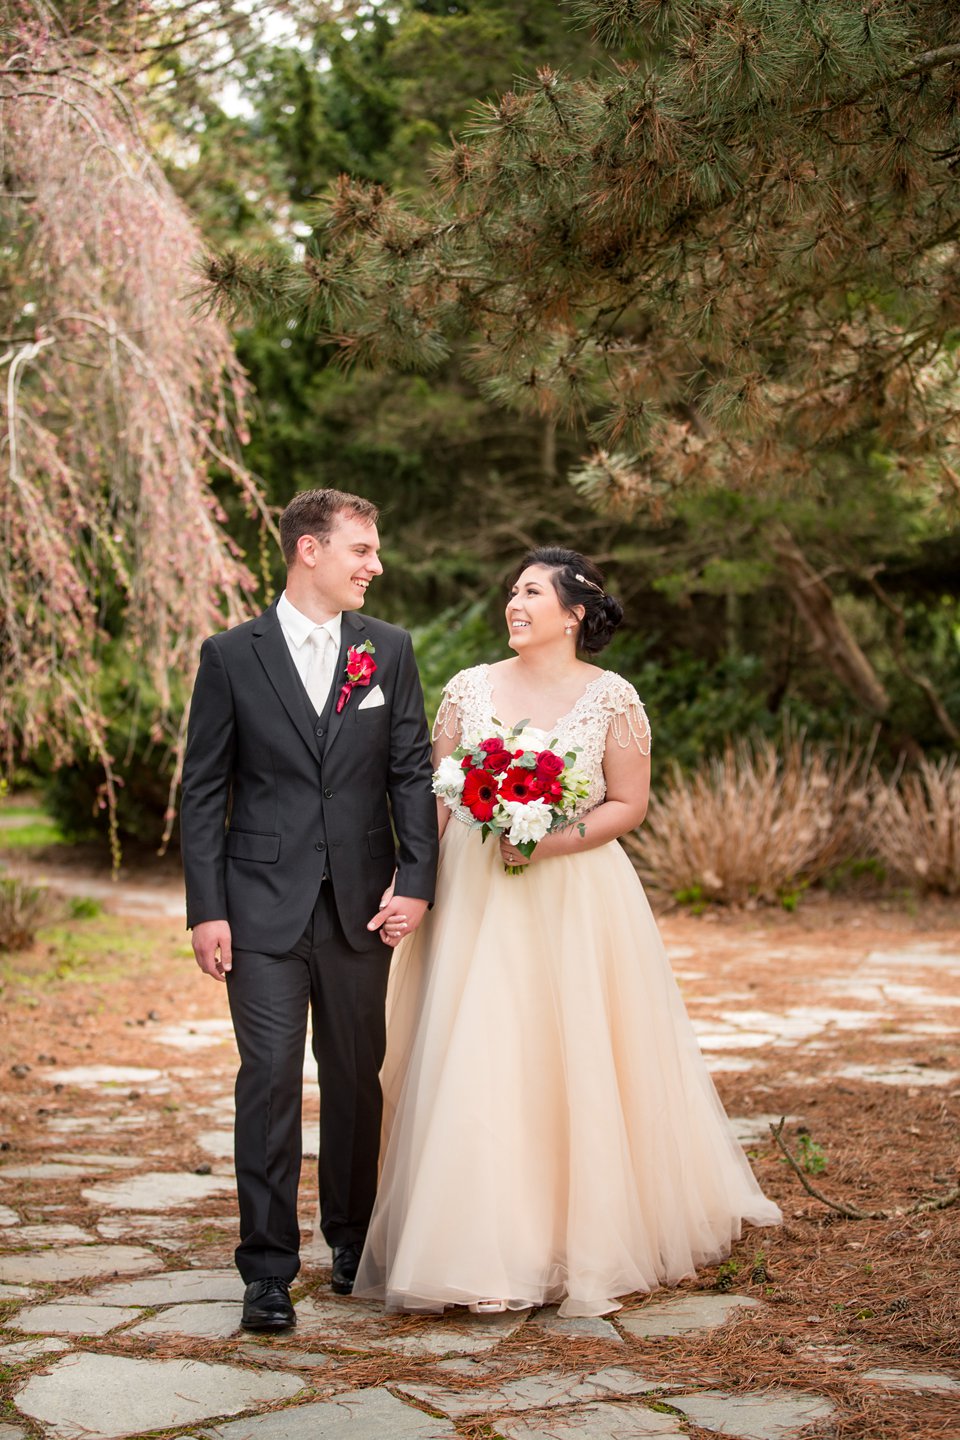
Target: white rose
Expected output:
[528,822]
[448,779]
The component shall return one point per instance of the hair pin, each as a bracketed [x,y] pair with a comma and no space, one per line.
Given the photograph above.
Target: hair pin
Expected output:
[592,583]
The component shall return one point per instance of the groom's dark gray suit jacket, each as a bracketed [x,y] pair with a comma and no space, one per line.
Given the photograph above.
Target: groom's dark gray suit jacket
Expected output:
[275,797]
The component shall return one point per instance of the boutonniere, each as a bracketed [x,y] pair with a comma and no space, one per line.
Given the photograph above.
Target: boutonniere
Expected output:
[360,667]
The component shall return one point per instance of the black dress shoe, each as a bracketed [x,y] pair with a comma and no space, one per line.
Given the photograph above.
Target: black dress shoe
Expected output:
[267,1305]
[346,1258]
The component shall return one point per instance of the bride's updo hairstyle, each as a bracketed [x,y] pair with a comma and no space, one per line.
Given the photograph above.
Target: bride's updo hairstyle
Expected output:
[578,581]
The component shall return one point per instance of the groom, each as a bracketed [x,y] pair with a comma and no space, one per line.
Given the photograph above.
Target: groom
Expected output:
[306,783]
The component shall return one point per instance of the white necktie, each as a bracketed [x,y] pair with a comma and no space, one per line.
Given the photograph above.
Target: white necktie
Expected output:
[321,661]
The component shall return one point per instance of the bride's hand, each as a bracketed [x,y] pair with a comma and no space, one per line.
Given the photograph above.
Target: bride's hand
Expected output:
[511,855]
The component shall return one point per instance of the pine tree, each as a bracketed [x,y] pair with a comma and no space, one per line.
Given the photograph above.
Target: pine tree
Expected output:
[727,258]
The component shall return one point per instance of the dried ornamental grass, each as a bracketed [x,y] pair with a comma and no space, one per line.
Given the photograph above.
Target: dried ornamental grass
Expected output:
[915,825]
[23,909]
[756,823]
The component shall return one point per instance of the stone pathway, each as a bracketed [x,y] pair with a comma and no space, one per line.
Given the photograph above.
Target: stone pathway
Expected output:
[119,1306]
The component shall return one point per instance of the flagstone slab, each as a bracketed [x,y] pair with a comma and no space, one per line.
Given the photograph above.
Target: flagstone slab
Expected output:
[173,1287]
[158,1190]
[270,1354]
[158,1229]
[919,1380]
[361,1324]
[78,1262]
[728,1064]
[716,1039]
[750,1129]
[465,1334]
[76,1318]
[49,1170]
[23,1350]
[218,1143]
[90,1127]
[372,1414]
[903,1074]
[12,1432]
[17,1292]
[773,1415]
[920,956]
[215,1320]
[92,1075]
[8,1216]
[595,1422]
[101,1397]
[18,1235]
[578,1327]
[197,1035]
[102,1162]
[683,1314]
[534,1392]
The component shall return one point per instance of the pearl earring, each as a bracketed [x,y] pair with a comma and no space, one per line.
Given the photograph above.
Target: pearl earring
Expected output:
[568,630]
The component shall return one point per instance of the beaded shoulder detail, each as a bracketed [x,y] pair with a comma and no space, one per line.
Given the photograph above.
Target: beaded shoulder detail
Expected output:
[609,706]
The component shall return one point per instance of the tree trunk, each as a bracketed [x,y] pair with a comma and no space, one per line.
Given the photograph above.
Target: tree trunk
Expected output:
[830,635]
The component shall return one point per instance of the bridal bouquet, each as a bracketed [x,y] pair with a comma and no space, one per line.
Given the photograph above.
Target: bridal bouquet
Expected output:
[523,794]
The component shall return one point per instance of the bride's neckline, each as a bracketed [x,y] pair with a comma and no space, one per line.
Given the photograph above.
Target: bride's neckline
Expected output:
[546,729]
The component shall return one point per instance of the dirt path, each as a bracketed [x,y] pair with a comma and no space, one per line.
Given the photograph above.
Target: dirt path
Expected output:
[116,1115]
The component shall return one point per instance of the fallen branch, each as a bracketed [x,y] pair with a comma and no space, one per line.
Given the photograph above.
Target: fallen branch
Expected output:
[853,1212]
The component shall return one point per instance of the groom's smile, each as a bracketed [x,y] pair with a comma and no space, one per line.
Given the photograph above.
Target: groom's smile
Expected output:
[345,562]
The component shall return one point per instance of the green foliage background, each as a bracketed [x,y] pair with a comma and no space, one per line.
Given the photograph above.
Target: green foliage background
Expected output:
[712,639]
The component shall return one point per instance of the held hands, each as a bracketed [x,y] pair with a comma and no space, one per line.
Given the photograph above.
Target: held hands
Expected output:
[398,916]
[213,948]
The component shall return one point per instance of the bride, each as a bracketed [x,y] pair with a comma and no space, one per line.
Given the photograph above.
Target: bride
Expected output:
[551,1133]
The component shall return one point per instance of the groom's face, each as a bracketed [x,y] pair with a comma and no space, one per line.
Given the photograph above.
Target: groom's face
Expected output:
[347,561]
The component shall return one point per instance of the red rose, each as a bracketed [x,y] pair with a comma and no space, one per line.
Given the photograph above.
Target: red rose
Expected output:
[549,765]
[480,794]
[521,785]
[360,667]
[497,761]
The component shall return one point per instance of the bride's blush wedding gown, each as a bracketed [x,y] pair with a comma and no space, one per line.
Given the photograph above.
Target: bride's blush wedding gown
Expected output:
[551,1132]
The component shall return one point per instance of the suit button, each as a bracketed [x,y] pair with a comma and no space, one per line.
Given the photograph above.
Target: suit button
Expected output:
[319,732]
[320,845]
[328,794]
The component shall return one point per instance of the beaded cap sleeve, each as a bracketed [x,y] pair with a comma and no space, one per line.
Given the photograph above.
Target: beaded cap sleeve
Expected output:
[609,706]
[465,699]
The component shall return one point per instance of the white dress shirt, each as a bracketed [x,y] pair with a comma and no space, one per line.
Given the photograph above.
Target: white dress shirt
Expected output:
[297,629]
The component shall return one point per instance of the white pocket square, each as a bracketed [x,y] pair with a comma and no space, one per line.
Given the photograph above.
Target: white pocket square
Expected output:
[371,701]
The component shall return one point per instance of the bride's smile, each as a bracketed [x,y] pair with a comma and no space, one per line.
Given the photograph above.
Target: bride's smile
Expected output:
[535,614]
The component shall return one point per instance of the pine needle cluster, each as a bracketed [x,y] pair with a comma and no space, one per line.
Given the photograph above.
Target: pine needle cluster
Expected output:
[726,257]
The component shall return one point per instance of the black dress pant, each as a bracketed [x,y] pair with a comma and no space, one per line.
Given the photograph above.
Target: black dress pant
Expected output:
[269,999]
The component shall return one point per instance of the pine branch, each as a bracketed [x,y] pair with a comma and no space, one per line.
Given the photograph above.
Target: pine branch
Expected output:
[853,1212]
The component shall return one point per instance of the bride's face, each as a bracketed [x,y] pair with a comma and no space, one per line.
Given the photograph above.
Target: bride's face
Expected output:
[534,613]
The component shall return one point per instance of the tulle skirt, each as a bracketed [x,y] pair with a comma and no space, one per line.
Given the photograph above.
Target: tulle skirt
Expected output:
[551,1133]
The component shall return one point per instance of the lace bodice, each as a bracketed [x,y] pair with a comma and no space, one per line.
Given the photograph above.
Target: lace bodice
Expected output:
[608,706]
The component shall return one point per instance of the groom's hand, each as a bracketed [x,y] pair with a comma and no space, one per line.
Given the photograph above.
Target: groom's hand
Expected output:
[397,918]
[213,947]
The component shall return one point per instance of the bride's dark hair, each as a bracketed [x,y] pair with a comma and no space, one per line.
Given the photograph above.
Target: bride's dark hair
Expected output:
[578,581]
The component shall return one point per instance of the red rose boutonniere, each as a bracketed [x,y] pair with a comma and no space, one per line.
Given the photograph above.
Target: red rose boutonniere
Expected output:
[360,667]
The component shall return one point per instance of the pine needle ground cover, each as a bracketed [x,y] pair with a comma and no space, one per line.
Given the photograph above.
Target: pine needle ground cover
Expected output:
[797,1020]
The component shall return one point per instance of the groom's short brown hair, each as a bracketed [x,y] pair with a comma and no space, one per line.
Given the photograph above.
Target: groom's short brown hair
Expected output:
[313,512]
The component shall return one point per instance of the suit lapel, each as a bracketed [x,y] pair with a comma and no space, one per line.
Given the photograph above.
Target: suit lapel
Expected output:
[270,648]
[351,633]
